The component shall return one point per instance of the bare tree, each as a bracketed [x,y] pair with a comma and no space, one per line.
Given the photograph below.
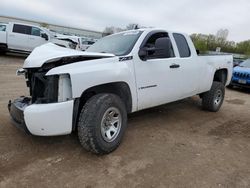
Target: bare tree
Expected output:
[109,30]
[222,34]
[132,26]
[44,25]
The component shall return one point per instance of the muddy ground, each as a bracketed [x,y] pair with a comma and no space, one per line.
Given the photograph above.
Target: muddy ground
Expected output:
[175,145]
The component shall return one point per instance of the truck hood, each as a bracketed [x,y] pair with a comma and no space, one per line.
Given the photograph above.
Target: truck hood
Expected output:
[50,52]
[242,69]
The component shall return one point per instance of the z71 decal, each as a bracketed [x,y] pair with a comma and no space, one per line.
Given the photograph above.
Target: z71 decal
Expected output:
[126,58]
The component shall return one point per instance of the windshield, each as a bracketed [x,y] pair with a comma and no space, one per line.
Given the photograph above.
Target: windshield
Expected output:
[246,63]
[117,44]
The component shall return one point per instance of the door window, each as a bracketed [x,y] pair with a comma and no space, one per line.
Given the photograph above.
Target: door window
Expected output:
[23,29]
[150,46]
[182,45]
[36,31]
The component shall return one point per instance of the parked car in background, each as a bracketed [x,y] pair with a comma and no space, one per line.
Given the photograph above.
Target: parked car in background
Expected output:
[237,62]
[75,40]
[241,75]
[19,37]
[81,43]
[86,43]
[93,91]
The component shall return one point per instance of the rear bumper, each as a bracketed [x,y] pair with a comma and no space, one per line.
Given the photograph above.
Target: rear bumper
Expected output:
[42,119]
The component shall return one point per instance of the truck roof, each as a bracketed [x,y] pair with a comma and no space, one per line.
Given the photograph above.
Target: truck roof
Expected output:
[20,23]
[153,29]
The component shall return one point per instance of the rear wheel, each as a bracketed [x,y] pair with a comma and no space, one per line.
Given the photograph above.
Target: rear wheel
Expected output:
[102,123]
[3,49]
[213,99]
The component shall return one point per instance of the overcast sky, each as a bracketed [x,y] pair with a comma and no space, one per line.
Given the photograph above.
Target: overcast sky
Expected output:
[190,16]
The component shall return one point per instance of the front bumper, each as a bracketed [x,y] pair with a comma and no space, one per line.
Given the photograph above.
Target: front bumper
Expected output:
[236,82]
[16,109]
[240,85]
[51,119]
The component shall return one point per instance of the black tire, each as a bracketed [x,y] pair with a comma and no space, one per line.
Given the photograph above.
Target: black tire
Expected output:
[90,121]
[230,86]
[2,52]
[210,99]
[3,49]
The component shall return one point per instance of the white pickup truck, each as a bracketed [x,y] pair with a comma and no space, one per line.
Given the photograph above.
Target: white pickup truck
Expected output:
[93,91]
[19,37]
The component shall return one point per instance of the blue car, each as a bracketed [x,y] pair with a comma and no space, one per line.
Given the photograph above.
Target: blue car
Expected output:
[241,75]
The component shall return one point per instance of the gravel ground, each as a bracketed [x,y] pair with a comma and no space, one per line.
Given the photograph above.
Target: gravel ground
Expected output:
[175,145]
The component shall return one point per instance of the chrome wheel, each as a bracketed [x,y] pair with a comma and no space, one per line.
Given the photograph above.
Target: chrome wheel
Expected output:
[111,124]
[218,97]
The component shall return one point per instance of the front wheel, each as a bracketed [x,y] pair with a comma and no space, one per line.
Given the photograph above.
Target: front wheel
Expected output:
[213,99]
[2,52]
[102,123]
[230,86]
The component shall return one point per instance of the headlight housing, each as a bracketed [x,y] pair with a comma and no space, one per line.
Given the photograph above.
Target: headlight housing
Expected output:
[64,88]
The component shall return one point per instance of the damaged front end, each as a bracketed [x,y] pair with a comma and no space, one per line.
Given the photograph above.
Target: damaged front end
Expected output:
[43,90]
[48,111]
[49,103]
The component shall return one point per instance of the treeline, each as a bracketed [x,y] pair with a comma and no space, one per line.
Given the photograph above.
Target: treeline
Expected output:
[212,42]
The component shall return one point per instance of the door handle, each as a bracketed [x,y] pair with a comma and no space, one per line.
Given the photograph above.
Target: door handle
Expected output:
[174,66]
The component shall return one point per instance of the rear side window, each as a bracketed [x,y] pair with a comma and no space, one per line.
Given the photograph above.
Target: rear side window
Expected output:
[2,27]
[182,45]
[23,29]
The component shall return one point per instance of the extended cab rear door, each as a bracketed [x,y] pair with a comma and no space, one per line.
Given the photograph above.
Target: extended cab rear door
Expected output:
[190,69]
[18,37]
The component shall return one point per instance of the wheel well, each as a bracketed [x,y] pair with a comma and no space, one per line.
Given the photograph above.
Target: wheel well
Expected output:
[120,89]
[221,76]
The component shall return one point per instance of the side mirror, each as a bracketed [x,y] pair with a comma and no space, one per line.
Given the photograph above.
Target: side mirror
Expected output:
[45,36]
[163,47]
[143,54]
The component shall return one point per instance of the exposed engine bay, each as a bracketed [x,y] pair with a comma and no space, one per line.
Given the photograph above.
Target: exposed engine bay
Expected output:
[45,89]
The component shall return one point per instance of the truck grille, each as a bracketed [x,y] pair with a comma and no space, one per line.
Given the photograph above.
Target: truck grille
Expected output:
[242,75]
[43,89]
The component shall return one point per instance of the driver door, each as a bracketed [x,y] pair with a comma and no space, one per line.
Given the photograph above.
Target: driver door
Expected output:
[35,38]
[158,76]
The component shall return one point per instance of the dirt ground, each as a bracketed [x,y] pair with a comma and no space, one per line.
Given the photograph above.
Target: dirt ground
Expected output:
[175,145]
